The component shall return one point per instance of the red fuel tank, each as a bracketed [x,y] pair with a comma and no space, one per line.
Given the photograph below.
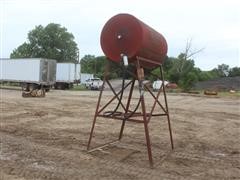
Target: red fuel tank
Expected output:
[125,34]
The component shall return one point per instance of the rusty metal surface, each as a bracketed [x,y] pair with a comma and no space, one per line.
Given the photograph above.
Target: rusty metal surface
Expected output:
[125,34]
[140,116]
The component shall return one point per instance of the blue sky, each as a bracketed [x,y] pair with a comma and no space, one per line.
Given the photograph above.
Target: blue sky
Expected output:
[212,25]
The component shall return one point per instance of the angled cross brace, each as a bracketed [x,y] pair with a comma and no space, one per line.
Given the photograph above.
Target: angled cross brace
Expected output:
[128,115]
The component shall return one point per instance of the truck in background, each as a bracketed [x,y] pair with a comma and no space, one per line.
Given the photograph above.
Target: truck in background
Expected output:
[35,75]
[84,77]
[67,74]
[90,82]
[94,84]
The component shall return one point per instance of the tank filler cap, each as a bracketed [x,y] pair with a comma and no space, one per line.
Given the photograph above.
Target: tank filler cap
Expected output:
[119,36]
[125,59]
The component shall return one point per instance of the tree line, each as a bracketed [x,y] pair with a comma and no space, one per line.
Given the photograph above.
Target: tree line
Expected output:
[176,69]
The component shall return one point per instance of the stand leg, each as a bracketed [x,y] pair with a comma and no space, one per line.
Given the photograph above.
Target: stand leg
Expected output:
[165,99]
[146,132]
[140,76]
[95,116]
[127,108]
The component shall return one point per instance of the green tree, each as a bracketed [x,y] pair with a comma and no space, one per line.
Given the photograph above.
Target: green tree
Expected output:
[188,80]
[180,68]
[87,64]
[52,41]
[167,65]
[22,51]
[207,75]
[96,66]
[235,71]
[93,65]
[222,70]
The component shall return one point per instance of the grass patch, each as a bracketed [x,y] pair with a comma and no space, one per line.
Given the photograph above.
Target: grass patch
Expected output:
[201,92]
[79,87]
[16,84]
[228,94]
[178,90]
[222,93]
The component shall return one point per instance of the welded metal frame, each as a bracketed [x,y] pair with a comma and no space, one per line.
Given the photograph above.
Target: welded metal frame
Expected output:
[146,116]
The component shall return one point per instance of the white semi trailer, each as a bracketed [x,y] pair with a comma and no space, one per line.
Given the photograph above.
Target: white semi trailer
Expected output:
[67,74]
[33,74]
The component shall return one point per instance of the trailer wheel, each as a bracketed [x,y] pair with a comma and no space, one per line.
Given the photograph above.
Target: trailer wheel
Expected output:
[58,86]
[41,93]
[62,86]
[34,93]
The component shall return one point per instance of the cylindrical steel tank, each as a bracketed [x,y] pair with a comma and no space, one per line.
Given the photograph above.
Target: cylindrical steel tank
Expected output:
[127,35]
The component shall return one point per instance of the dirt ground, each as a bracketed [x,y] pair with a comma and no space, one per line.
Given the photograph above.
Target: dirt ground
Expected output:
[46,138]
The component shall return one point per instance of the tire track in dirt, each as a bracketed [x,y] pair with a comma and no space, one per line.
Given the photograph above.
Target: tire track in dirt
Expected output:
[54,165]
[53,145]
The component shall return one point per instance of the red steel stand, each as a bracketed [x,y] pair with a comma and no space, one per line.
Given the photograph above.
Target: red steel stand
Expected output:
[132,116]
